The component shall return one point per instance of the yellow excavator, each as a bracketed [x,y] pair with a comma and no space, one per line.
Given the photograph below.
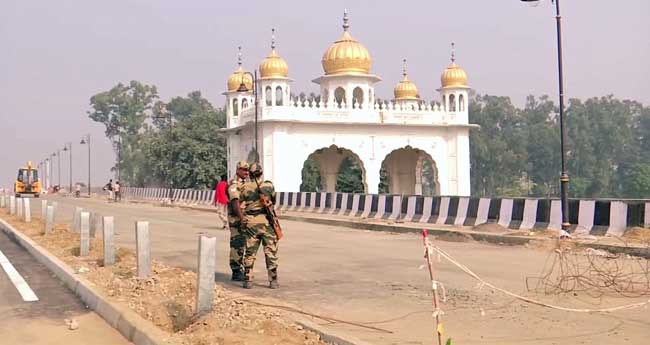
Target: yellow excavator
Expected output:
[28,182]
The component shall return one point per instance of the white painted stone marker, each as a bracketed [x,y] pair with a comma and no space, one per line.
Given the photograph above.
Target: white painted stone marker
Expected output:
[49,219]
[19,208]
[3,201]
[84,222]
[143,248]
[108,229]
[27,213]
[43,210]
[205,275]
[76,219]
[12,205]
[55,205]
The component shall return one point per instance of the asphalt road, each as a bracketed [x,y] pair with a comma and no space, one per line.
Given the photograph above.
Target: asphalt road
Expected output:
[42,322]
[377,279]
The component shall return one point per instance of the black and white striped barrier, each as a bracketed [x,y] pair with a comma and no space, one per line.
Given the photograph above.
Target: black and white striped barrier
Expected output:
[596,217]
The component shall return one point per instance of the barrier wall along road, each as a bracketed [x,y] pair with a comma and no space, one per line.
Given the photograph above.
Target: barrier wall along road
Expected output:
[593,216]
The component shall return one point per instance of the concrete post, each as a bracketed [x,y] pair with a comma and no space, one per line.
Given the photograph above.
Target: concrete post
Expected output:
[143,249]
[84,222]
[27,212]
[12,205]
[49,219]
[55,206]
[3,201]
[205,274]
[19,208]
[108,229]
[43,210]
[76,219]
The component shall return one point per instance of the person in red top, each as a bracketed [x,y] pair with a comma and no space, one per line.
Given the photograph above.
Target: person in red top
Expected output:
[221,200]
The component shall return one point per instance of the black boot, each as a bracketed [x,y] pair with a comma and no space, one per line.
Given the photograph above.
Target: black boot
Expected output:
[273,284]
[237,275]
[248,284]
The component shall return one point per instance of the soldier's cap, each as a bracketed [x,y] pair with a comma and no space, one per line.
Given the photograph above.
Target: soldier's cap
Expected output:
[255,169]
[242,165]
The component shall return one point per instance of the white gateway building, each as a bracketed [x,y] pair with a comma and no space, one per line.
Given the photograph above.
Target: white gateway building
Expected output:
[397,138]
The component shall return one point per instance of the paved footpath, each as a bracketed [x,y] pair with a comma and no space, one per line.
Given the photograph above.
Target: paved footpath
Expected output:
[41,321]
[376,278]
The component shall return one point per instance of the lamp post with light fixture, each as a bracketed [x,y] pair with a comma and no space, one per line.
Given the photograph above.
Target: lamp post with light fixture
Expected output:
[564,177]
[86,140]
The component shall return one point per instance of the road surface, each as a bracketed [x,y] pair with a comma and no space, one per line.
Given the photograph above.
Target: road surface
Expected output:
[41,320]
[377,278]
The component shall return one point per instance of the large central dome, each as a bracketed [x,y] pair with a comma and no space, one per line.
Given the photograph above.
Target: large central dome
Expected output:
[347,55]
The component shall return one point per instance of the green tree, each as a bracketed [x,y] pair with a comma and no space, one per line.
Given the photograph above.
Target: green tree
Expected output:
[311,178]
[192,154]
[497,151]
[349,179]
[123,110]
[542,140]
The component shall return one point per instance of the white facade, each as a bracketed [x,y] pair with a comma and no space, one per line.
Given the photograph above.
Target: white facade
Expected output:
[356,125]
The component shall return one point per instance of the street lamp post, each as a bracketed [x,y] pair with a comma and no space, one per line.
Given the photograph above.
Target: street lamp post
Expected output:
[58,154]
[68,147]
[564,177]
[52,168]
[86,140]
[243,88]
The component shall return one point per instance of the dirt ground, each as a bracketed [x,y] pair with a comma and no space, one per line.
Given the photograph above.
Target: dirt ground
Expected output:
[167,298]
[374,278]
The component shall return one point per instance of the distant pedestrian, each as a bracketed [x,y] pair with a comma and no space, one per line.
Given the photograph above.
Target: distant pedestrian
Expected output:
[221,200]
[117,191]
[109,187]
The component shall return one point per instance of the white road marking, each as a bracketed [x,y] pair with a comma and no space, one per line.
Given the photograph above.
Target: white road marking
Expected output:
[18,281]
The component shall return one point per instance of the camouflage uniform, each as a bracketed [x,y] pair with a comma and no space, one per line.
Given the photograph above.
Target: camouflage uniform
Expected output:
[258,229]
[237,239]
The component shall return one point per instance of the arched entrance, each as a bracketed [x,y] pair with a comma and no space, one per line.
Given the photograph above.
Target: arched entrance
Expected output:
[333,169]
[409,171]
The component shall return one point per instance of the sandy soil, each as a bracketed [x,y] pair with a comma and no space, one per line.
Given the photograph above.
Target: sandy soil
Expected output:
[167,298]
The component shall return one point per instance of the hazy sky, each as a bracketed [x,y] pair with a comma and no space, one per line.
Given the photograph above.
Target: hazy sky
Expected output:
[54,55]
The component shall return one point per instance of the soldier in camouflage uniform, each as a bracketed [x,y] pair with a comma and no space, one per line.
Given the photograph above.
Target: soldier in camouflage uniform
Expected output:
[257,227]
[235,216]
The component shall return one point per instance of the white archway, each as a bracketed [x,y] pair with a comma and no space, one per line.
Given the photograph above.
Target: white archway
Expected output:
[330,163]
[409,171]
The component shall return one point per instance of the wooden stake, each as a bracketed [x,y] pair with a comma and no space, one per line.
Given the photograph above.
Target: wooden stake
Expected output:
[434,286]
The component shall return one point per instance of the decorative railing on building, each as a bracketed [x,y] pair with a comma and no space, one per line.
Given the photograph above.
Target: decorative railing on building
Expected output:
[382,113]
[596,217]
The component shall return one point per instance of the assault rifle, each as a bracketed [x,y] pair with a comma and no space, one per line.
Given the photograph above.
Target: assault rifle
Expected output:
[271,216]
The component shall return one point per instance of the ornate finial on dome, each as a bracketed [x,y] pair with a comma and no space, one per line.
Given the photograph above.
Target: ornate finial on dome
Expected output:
[273,66]
[239,56]
[453,52]
[453,75]
[405,90]
[346,24]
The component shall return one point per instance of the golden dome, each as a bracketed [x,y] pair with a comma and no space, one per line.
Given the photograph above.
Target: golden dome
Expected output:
[236,78]
[273,66]
[239,75]
[453,76]
[406,89]
[346,55]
